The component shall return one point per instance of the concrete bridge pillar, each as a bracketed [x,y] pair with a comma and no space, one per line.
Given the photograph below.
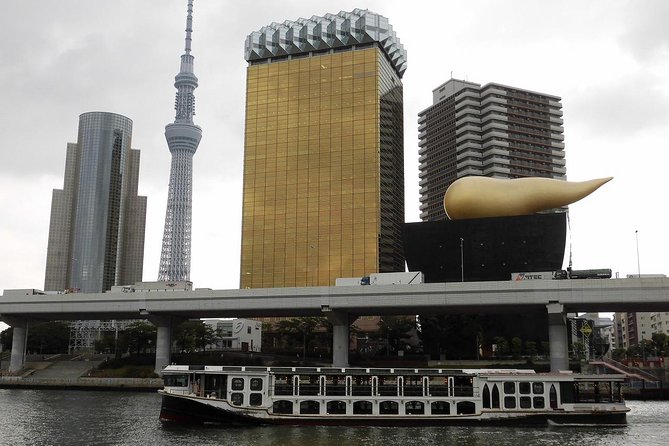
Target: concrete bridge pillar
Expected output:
[340,337]
[19,342]
[557,337]
[163,341]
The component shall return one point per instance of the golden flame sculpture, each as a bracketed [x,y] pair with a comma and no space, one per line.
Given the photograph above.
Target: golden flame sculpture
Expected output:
[479,197]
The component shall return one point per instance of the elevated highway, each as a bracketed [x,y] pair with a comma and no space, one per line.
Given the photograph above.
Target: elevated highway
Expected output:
[342,305]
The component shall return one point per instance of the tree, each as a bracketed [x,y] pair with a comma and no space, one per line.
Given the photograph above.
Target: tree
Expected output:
[303,329]
[660,341]
[140,335]
[618,354]
[193,335]
[459,336]
[6,338]
[531,348]
[49,338]
[501,346]
[516,347]
[395,330]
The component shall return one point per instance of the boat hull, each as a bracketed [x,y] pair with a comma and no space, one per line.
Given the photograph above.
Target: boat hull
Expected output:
[184,409]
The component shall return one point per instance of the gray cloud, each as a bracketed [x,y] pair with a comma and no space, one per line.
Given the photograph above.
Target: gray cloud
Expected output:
[623,109]
[647,33]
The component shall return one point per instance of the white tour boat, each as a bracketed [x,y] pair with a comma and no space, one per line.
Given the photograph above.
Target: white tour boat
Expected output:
[387,397]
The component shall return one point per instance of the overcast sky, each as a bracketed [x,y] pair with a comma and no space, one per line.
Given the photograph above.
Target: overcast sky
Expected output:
[608,60]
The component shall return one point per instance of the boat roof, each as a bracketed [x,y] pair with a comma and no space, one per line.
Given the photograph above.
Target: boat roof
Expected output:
[491,374]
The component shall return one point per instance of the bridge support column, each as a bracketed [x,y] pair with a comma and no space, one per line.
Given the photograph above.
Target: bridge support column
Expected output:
[557,337]
[19,342]
[163,341]
[340,337]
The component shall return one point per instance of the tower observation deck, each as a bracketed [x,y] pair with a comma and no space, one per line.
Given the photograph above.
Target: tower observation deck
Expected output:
[183,138]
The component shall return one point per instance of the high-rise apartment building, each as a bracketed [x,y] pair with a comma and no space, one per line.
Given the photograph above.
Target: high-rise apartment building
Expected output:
[323,151]
[183,138]
[96,233]
[633,328]
[491,130]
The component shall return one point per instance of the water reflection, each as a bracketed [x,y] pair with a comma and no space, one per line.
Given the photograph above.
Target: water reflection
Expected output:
[54,417]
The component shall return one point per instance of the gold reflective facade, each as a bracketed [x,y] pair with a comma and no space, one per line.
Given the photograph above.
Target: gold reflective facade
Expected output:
[323,170]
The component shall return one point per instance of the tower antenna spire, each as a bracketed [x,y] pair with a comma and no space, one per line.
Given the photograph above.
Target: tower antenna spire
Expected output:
[189,26]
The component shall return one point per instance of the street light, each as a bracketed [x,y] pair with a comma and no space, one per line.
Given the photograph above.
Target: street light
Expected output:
[462,260]
[638,263]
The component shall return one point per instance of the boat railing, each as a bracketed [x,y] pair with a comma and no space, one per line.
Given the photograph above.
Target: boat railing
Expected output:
[279,390]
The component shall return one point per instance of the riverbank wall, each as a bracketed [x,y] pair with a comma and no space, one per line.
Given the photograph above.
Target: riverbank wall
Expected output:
[117,384]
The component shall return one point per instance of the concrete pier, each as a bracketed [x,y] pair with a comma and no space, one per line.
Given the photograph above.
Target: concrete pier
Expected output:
[557,337]
[163,341]
[19,342]
[341,322]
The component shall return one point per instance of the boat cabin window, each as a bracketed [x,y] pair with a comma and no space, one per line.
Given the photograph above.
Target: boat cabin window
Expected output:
[336,407]
[362,386]
[255,399]
[389,408]
[414,408]
[438,385]
[215,385]
[552,395]
[495,397]
[237,398]
[466,408]
[413,385]
[524,388]
[593,392]
[440,408]
[282,407]
[463,386]
[310,407]
[388,385]
[335,385]
[539,402]
[256,384]
[308,385]
[509,402]
[525,402]
[538,388]
[237,384]
[510,388]
[567,393]
[362,408]
[283,385]
[175,380]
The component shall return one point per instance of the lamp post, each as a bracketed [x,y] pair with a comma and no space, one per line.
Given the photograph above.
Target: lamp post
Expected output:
[462,260]
[638,263]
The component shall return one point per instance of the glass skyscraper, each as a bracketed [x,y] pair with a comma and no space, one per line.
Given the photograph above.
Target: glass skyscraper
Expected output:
[96,233]
[323,152]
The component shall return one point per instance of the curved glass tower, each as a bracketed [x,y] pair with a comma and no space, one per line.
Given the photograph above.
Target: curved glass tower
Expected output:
[96,233]
[183,137]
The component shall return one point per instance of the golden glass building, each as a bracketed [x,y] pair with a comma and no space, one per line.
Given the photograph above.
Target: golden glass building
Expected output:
[323,152]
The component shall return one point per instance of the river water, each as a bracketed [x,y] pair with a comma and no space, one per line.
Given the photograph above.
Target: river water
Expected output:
[59,417]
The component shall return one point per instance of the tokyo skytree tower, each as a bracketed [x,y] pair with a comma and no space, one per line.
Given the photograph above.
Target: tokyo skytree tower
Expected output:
[182,138]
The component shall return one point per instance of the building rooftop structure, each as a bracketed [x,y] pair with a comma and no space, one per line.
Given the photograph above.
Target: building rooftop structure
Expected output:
[321,34]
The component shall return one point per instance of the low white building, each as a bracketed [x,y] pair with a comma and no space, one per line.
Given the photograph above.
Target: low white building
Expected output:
[237,334]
